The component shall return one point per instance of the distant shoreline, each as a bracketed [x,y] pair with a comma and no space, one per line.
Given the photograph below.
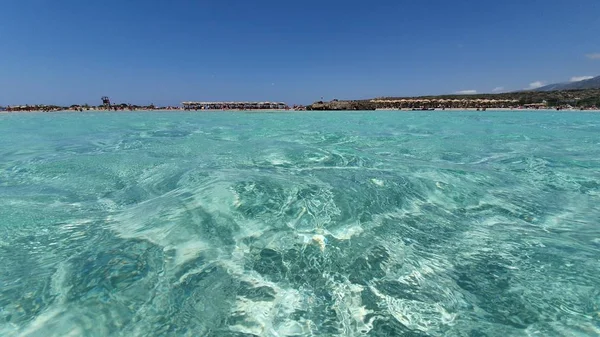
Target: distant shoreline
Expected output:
[299,111]
[489,109]
[148,110]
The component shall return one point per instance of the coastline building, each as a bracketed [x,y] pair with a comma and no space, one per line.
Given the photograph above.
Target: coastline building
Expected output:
[106,102]
[234,106]
[440,103]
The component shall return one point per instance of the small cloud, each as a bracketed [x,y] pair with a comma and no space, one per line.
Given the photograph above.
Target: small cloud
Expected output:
[498,89]
[593,56]
[535,85]
[466,92]
[580,78]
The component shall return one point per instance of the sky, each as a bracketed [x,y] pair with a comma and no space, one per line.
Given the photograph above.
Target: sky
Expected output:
[165,52]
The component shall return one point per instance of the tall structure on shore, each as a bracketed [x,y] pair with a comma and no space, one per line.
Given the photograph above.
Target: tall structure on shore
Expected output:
[106,102]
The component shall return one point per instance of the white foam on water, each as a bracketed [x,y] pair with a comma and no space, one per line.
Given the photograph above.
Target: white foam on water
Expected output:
[62,321]
[41,323]
[347,232]
[478,239]
[162,220]
[570,328]
[58,283]
[378,182]
[350,311]
[343,168]
[268,318]
[277,159]
[492,158]
[264,318]
[157,221]
[416,315]
[189,250]
[317,159]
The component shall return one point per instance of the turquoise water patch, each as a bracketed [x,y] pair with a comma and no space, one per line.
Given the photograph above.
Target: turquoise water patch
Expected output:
[300,224]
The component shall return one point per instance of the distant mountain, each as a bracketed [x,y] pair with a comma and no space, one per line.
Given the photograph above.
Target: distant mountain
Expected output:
[592,83]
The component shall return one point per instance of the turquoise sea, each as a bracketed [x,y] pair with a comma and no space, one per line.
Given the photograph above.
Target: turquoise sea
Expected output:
[300,224]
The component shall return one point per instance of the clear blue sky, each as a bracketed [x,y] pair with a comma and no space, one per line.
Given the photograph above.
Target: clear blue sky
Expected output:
[165,52]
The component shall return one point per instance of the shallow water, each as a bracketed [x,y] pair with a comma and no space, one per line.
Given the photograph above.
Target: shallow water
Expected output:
[300,224]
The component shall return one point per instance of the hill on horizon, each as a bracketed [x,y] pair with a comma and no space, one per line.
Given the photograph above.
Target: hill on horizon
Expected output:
[592,83]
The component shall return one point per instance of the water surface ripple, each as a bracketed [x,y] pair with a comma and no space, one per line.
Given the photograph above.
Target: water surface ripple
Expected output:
[300,224]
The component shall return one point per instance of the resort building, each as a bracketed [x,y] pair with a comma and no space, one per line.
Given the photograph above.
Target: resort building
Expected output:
[444,103]
[234,105]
